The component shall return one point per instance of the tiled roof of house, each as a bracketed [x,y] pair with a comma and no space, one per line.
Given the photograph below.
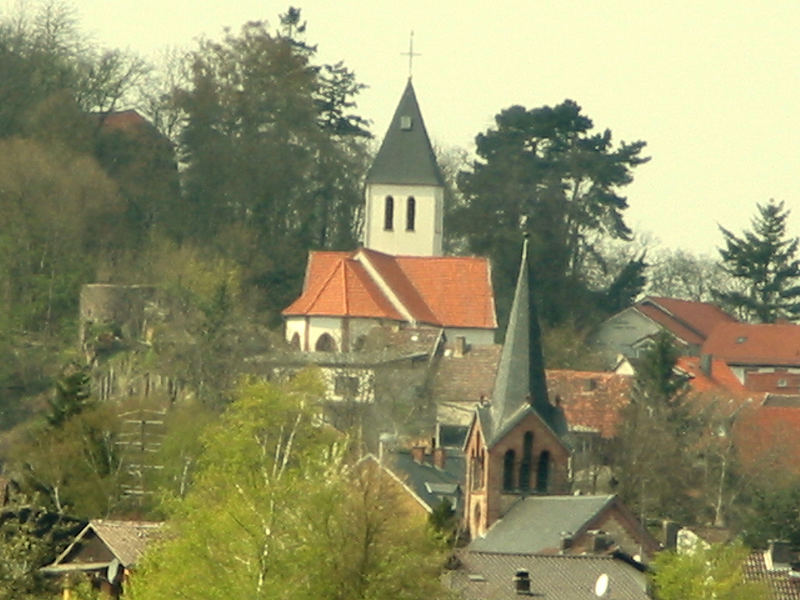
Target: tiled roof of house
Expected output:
[536,523]
[767,439]
[592,401]
[124,540]
[483,575]
[125,120]
[428,481]
[406,155]
[443,291]
[755,344]
[466,378]
[782,583]
[720,377]
[689,321]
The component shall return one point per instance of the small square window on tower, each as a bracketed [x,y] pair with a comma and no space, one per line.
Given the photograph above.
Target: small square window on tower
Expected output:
[405,122]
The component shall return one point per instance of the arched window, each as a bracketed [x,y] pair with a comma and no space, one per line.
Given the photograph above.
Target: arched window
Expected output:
[527,462]
[543,472]
[508,470]
[411,213]
[295,343]
[325,343]
[388,214]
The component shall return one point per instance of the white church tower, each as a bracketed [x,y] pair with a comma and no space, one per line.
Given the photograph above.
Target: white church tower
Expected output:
[404,188]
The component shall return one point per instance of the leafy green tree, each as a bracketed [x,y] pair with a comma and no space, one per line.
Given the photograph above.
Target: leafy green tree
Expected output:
[764,261]
[706,573]
[545,168]
[277,510]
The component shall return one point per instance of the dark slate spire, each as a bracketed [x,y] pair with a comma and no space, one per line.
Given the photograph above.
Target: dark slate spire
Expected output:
[406,155]
[521,381]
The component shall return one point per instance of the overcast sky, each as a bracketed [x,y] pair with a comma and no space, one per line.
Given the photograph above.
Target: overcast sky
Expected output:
[711,85]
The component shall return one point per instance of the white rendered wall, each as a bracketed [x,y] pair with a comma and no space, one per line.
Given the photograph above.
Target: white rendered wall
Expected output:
[425,240]
[317,326]
[474,337]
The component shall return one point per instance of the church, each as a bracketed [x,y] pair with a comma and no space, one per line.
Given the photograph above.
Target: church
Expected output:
[399,281]
[399,278]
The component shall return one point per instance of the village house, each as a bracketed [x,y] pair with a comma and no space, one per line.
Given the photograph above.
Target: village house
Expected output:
[631,331]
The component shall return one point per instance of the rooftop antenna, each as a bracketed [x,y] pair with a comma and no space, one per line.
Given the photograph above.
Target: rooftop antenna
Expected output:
[410,54]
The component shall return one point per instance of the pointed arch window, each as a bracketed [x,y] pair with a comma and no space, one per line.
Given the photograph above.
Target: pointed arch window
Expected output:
[543,472]
[388,214]
[325,343]
[508,470]
[526,462]
[411,213]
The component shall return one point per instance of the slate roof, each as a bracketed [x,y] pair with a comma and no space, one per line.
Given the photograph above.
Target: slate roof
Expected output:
[592,401]
[568,577]
[125,540]
[406,155]
[783,583]
[520,386]
[444,291]
[688,320]
[427,481]
[535,523]
[755,344]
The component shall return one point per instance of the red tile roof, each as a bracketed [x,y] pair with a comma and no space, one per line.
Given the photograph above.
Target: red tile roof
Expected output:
[338,285]
[767,439]
[690,321]
[783,585]
[755,344]
[443,291]
[721,378]
[592,401]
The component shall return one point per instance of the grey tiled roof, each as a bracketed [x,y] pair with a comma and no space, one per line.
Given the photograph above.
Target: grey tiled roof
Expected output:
[406,155]
[427,481]
[536,523]
[482,576]
[520,381]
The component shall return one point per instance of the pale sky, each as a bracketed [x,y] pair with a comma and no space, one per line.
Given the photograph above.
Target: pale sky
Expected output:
[711,85]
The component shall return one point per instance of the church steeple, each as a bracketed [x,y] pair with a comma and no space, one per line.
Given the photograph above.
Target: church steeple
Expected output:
[521,377]
[405,189]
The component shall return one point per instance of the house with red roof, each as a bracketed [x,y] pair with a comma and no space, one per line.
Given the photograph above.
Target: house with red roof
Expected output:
[399,279]
[630,331]
[764,357]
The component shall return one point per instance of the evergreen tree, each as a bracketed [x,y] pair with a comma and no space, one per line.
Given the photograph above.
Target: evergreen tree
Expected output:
[545,167]
[764,261]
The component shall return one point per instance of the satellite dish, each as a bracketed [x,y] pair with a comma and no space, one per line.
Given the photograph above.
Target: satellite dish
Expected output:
[601,585]
[112,572]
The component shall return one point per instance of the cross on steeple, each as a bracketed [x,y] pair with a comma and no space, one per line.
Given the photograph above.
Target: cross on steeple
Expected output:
[410,54]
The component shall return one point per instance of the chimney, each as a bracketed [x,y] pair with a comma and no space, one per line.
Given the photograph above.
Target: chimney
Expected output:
[599,539]
[439,456]
[566,541]
[670,531]
[780,553]
[460,346]
[705,364]
[522,582]
[418,454]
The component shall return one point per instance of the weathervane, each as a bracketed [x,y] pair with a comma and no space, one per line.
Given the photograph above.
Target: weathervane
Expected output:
[410,54]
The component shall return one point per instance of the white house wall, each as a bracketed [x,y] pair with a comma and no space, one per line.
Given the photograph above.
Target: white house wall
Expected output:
[473,337]
[425,240]
[620,333]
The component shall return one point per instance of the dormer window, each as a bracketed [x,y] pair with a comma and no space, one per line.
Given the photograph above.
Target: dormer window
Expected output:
[388,214]
[741,339]
[411,210]
[405,123]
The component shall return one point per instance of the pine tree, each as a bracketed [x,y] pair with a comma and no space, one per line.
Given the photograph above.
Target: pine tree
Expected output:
[764,261]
